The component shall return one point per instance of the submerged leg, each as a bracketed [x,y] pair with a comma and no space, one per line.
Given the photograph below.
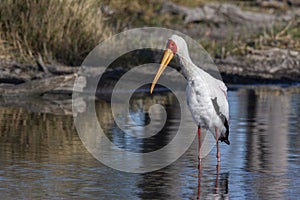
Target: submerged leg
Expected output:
[199,180]
[217,178]
[218,148]
[199,144]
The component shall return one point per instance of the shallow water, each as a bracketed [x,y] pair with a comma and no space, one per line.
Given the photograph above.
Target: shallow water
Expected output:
[42,156]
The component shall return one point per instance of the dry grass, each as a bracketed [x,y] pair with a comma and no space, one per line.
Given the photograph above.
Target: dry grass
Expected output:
[284,36]
[66,30]
[63,30]
[280,36]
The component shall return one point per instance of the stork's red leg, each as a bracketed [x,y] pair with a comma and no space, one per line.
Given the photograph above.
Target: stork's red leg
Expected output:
[218,148]
[199,180]
[217,178]
[199,143]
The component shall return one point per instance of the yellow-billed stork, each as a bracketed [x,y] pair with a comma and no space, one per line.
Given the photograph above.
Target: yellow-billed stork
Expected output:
[206,95]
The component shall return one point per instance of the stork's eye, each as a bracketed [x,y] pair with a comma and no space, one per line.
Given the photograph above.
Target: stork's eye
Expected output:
[171,45]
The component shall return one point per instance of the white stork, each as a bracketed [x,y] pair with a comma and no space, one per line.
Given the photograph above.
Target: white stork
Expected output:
[206,95]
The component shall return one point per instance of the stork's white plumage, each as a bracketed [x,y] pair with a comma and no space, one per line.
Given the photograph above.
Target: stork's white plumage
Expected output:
[206,95]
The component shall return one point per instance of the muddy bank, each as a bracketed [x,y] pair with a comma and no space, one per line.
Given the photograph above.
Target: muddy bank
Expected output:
[253,69]
[263,66]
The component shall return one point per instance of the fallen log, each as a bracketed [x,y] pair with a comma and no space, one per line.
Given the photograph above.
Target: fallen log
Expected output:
[39,86]
[226,13]
[62,70]
[16,73]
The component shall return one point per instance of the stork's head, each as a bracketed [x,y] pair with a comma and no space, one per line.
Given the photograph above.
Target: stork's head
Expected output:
[175,45]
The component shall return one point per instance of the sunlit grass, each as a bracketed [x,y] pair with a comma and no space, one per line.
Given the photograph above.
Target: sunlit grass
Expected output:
[64,30]
[279,36]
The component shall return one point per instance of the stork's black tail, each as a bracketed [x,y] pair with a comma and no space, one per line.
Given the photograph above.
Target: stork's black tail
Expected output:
[225,138]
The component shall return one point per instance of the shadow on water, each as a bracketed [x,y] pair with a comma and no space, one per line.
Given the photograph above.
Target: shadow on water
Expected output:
[42,156]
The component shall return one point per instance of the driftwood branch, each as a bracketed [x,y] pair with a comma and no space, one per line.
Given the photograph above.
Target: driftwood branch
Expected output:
[39,86]
[277,3]
[62,70]
[41,64]
[16,73]
[226,13]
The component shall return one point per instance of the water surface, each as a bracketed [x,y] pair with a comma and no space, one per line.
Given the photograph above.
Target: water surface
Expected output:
[42,156]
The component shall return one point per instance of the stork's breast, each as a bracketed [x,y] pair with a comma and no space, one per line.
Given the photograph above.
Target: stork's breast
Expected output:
[199,103]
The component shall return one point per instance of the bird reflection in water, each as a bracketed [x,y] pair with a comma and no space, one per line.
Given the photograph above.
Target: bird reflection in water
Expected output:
[220,183]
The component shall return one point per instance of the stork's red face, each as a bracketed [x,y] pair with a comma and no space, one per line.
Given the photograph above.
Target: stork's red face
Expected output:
[168,55]
[172,46]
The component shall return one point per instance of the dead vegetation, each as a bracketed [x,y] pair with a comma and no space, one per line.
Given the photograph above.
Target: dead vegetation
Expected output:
[63,30]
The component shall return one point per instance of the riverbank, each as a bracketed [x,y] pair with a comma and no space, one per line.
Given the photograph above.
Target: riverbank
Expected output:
[250,42]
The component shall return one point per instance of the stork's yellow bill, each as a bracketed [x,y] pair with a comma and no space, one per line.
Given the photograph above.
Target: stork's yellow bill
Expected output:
[168,55]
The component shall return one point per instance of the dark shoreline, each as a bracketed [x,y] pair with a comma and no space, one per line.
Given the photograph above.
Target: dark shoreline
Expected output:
[65,77]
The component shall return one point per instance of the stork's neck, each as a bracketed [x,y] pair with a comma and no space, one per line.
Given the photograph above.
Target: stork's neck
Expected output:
[189,69]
